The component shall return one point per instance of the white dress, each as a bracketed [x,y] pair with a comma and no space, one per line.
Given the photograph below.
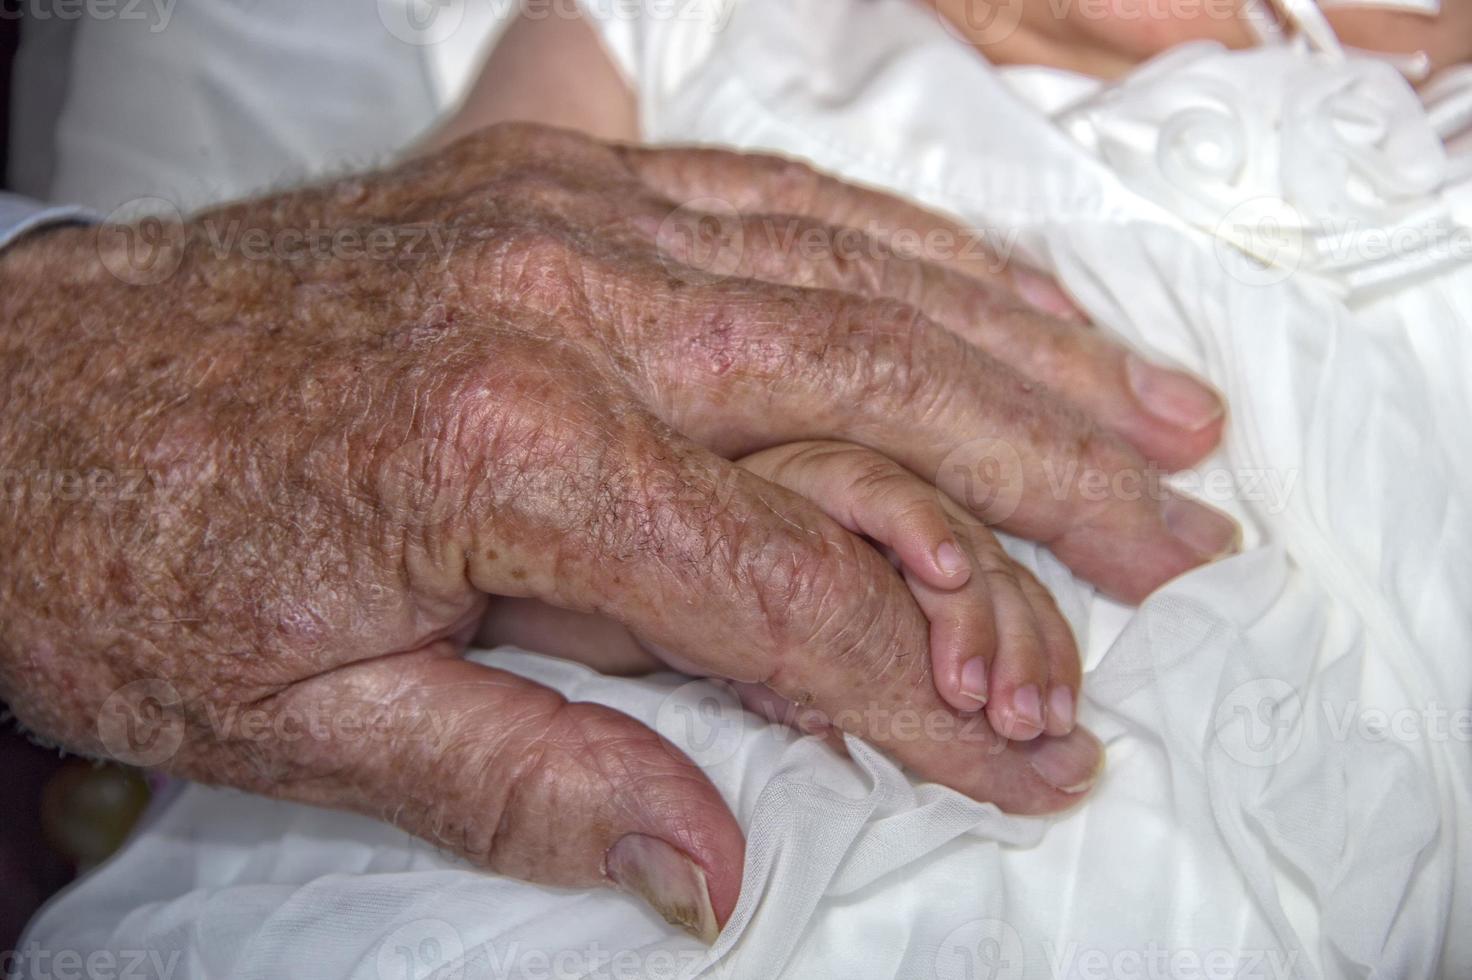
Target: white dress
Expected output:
[1289,791]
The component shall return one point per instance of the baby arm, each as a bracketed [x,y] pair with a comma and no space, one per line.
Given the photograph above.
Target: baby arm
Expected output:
[552,70]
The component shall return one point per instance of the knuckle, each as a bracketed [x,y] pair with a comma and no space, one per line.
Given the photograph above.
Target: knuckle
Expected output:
[526,265]
[422,457]
[827,601]
[566,764]
[541,191]
[886,640]
[522,436]
[891,352]
[648,499]
[741,329]
[632,510]
[499,826]
[880,481]
[794,581]
[638,496]
[872,475]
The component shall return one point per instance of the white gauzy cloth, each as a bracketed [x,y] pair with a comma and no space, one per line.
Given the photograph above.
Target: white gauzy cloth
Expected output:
[1288,730]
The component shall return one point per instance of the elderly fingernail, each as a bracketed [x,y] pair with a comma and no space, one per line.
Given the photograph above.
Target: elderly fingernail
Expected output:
[1043,293]
[1174,396]
[1060,706]
[973,680]
[1205,530]
[1027,702]
[665,878]
[950,559]
[1070,764]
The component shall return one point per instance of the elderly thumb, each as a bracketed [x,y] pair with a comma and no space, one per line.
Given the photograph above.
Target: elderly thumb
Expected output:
[517,779]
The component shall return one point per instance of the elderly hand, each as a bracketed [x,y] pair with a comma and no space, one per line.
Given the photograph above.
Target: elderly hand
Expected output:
[259,474]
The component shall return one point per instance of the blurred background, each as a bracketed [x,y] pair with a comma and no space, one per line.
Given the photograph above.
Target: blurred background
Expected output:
[58,817]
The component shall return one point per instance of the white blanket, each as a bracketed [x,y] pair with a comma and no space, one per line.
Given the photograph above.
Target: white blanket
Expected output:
[1289,791]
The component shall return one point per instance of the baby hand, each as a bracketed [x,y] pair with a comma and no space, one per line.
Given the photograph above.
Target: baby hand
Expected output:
[997,639]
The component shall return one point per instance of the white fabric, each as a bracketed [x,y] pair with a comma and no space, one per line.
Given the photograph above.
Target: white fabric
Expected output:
[1289,759]
[19,215]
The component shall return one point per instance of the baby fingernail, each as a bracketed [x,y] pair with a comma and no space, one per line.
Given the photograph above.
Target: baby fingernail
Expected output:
[950,559]
[1060,706]
[666,879]
[1070,763]
[1027,701]
[973,680]
[1173,396]
[1205,530]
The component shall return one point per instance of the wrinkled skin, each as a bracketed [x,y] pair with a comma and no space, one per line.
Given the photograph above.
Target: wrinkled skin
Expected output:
[320,467]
